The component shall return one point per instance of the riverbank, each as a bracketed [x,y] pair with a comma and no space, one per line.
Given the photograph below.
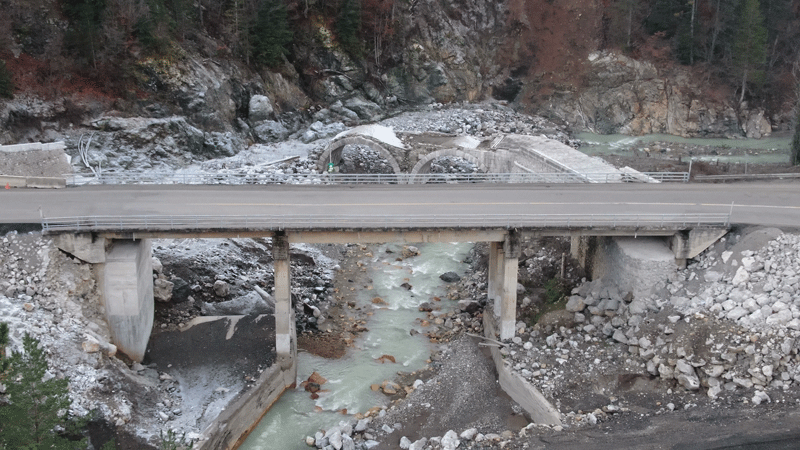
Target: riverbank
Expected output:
[663,153]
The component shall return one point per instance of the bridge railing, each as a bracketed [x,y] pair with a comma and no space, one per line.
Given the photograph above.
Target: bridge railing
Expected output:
[340,178]
[367,222]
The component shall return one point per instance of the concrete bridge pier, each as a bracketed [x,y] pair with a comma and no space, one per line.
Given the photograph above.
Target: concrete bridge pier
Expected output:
[581,249]
[494,290]
[126,283]
[285,333]
[502,289]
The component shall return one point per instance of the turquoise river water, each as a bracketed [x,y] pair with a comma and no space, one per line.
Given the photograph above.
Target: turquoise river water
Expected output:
[771,149]
[295,415]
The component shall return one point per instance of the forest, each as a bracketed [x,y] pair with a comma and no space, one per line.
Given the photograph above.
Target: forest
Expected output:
[751,45]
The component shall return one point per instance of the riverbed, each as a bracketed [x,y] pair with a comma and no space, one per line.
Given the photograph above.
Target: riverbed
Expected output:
[773,149]
[347,390]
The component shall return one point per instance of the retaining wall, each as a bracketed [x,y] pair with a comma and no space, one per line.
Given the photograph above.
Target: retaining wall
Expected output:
[518,388]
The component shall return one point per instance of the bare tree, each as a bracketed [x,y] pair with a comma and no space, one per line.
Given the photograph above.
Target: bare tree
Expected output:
[83,151]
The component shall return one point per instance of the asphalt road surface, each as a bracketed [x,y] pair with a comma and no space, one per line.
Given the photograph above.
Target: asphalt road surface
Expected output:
[773,203]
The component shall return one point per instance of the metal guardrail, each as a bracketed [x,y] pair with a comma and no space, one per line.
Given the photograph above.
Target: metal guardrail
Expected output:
[399,178]
[751,176]
[321,222]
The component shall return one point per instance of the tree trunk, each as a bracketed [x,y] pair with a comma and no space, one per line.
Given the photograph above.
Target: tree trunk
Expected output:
[714,33]
[744,86]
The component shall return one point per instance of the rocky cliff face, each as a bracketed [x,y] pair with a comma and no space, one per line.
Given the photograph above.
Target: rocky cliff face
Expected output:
[623,95]
[539,55]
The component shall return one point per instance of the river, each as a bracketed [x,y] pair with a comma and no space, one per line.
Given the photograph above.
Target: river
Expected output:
[773,149]
[295,415]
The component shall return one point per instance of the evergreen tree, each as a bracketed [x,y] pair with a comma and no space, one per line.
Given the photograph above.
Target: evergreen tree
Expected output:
[6,84]
[348,26]
[86,24]
[665,16]
[750,44]
[794,156]
[270,36]
[36,406]
[3,345]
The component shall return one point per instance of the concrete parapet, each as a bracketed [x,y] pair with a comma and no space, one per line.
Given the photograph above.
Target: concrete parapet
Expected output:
[84,246]
[126,286]
[59,145]
[32,182]
[519,389]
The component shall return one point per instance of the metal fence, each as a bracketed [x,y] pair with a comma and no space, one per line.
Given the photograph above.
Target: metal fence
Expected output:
[750,177]
[399,178]
[366,222]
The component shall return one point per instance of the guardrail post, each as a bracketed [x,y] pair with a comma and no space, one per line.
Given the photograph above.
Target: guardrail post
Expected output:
[730,213]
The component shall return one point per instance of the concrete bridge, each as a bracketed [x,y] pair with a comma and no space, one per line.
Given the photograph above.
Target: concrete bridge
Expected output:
[111,226]
[415,153]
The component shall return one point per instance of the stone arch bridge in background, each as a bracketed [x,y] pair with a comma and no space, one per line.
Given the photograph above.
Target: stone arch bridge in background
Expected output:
[415,153]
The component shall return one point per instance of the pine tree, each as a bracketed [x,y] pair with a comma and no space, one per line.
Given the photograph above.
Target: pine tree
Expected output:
[36,406]
[750,44]
[3,345]
[270,36]
[794,157]
[86,25]
[6,84]
[348,26]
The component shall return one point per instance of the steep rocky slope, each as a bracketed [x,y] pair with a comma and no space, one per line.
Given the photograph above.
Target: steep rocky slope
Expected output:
[195,98]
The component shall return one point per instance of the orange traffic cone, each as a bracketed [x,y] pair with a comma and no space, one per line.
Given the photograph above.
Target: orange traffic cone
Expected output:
[7,186]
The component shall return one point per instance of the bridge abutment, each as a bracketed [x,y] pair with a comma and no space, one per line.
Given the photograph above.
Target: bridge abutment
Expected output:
[126,286]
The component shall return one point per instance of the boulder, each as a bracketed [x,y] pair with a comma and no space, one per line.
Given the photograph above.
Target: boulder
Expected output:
[688,381]
[450,440]
[366,110]
[469,306]
[754,124]
[162,289]
[409,251]
[250,304]
[221,288]
[741,276]
[575,304]
[270,131]
[449,277]
[259,109]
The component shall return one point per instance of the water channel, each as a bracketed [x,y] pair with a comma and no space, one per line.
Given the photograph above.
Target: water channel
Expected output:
[295,415]
[773,149]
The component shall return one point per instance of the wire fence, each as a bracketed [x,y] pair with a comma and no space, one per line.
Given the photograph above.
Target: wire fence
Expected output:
[398,178]
[367,222]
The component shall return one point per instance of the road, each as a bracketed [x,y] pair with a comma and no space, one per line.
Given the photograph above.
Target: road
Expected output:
[773,203]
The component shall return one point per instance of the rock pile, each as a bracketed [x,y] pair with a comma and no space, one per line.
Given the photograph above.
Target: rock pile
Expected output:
[736,333]
[481,120]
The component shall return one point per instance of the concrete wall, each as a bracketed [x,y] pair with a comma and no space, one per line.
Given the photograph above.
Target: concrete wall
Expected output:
[635,265]
[60,145]
[518,388]
[126,284]
[32,182]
